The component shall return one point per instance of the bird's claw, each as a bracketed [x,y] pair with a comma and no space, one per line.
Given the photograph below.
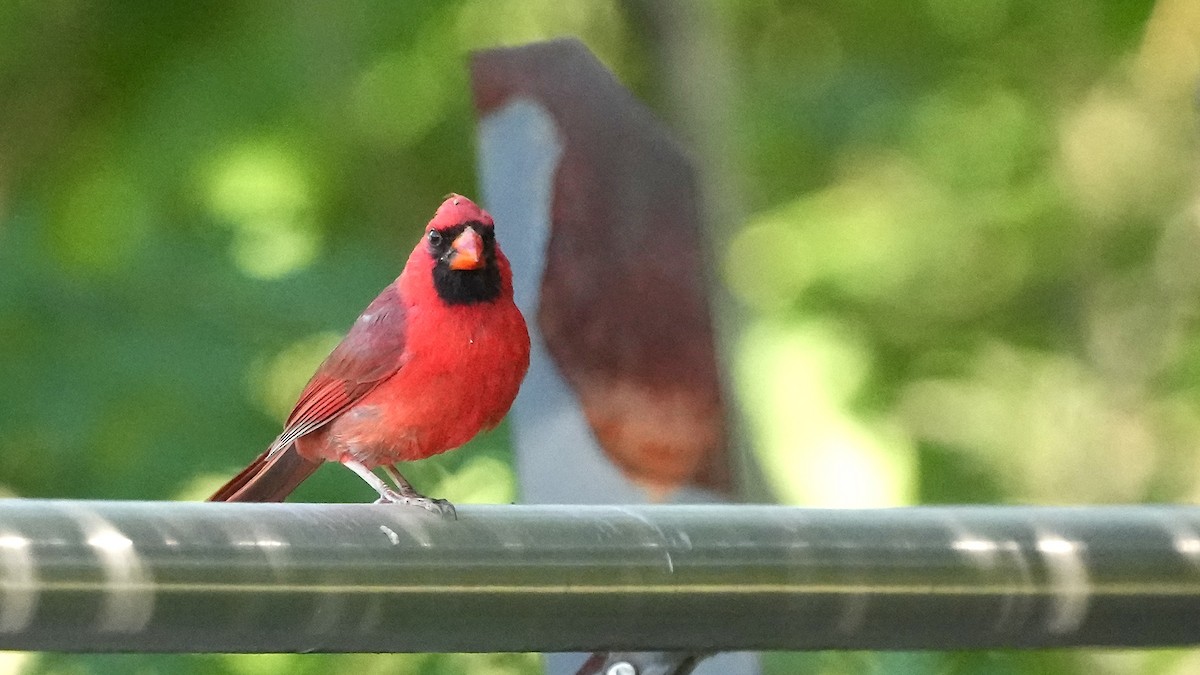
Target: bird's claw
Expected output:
[440,507]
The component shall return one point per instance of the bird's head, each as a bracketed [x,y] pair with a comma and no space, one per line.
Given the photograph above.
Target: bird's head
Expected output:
[461,242]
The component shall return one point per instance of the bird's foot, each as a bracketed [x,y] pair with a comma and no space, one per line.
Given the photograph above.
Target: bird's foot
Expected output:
[440,507]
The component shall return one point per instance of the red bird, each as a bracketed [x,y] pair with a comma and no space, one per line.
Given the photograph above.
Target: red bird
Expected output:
[436,358]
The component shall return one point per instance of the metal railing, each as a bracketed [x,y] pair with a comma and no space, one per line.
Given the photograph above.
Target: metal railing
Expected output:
[150,576]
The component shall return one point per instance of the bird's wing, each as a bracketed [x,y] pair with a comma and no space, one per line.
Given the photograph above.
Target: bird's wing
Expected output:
[370,353]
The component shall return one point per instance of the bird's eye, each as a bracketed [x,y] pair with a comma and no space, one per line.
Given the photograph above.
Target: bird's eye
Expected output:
[435,238]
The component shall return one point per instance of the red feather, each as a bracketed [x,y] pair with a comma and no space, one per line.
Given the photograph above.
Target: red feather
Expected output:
[371,352]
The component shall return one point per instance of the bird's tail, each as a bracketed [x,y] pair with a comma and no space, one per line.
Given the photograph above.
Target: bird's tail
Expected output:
[269,478]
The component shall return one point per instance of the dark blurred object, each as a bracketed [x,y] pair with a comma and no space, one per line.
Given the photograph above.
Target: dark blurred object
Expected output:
[607,255]
[623,306]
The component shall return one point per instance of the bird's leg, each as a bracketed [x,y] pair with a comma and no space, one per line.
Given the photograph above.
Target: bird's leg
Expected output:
[401,482]
[371,479]
[389,496]
[410,494]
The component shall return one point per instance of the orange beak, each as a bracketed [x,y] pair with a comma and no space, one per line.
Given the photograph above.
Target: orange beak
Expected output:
[468,251]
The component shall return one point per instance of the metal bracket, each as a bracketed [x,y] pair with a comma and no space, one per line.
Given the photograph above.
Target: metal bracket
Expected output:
[640,663]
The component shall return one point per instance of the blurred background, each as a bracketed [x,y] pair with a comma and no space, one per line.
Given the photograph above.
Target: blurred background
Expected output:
[960,242]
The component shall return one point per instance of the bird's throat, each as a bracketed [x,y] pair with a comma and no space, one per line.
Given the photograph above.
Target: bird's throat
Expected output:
[466,287]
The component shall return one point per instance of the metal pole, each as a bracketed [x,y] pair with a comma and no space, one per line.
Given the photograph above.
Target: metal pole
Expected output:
[142,576]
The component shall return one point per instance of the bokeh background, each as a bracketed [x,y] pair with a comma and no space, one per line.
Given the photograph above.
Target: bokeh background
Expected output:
[960,244]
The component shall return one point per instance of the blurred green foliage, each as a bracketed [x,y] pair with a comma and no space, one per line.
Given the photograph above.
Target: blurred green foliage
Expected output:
[964,245]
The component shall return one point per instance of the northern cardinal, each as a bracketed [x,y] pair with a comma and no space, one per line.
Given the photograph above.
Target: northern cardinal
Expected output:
[436,358]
